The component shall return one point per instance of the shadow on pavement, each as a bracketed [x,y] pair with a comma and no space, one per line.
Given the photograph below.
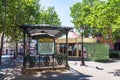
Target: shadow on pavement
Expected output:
[1,75]
[54,75]
[14,73]
[106,61]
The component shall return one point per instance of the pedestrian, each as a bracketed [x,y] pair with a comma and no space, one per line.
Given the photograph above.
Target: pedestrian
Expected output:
[6,51]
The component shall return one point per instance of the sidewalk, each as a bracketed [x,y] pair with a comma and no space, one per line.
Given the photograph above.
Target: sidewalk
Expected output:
[76,72]
[7,62]
[8,65]
[104,71]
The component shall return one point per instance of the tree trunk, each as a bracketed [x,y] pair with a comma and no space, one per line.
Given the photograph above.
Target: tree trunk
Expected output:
[110,40]
[2,39]
[4,29]
[16,54]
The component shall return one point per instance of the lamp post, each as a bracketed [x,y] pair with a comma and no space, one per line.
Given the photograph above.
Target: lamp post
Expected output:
[82,54]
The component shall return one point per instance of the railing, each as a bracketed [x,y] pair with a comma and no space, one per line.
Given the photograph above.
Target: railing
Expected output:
[41,61]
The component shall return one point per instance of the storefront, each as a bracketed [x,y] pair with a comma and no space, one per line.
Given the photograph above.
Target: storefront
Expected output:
[74,44]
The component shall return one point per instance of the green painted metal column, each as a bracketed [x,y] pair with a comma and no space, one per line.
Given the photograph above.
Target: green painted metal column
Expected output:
[38,54]
[29,43]
[24,47]
[54,55]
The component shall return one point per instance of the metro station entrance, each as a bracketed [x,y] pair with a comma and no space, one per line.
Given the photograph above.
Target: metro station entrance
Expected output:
[45,55]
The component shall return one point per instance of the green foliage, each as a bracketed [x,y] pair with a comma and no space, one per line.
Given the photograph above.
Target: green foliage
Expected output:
[79,12]
[114,54]
[25,12]
[50,16]
[98,16]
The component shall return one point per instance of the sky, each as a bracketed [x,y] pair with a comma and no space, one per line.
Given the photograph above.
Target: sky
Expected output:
[62,8]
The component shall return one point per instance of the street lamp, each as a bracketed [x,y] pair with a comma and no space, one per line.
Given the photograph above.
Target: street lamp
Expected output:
[82,54]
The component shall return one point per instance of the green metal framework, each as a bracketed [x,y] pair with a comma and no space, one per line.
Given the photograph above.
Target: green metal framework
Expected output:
[43,31]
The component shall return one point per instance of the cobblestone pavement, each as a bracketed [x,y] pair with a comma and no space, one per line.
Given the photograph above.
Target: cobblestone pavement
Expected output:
[92,71]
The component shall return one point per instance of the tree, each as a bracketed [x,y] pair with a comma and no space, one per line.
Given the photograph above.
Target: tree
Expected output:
[23,12]
[19,12]
[4,25]
[114,10]
[78,12]
[100,16]
[97,16]
[50,16]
